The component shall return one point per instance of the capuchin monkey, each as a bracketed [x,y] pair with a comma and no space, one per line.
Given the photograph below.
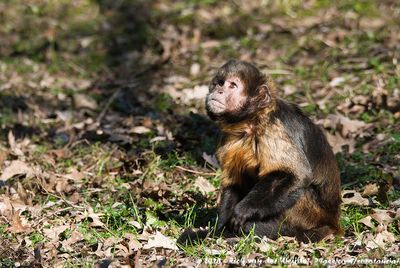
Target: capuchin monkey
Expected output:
[279,174]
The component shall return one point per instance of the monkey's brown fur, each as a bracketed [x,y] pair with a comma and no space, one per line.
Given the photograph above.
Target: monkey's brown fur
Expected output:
[279,174]
[244,151]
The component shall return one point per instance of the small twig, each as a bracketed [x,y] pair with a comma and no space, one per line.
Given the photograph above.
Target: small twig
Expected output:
[108,104]
[197,172]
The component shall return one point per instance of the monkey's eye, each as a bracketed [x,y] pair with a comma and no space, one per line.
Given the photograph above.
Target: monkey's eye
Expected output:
[220,82]
[233,85]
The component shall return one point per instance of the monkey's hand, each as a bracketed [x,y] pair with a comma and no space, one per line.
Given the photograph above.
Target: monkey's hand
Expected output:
[242,214]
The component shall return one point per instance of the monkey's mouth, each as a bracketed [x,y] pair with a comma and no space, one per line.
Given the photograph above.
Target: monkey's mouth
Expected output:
[216,103]
[215,106]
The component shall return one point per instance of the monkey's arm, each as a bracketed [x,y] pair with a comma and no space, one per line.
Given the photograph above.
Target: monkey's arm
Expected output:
[229,199]
[270,196]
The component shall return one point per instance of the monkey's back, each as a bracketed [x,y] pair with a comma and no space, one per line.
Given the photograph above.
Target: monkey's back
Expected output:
[325,182]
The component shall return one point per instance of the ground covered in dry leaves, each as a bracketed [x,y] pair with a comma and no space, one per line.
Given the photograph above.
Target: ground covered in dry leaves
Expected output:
[106,153]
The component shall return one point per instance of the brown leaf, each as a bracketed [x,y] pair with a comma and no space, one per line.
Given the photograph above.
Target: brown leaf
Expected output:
[211,159]
[54,232]
[354,198]
[3,156]
[195,69]
[381,216]
[75,175]
[84,101]
[11,140]
[62,186]
[76,236]
[16,167]
[16,148]
[23,194]
[370,189]
[60,153]
[95,217]
[160,241]
[337,81]
[139,130]
[123,251]
[368,23]
[380,240]
[5,205]
[17,226]
[204,185]
[337,142]
[367,221]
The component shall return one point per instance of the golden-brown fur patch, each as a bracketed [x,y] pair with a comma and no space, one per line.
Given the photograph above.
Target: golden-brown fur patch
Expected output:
[244,152]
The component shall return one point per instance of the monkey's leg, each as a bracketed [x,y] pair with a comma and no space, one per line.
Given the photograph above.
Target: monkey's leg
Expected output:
[268,198]
[229,198]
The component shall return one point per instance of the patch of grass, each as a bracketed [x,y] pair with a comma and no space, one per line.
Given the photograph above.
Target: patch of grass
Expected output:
[36,238]
[163,102]
[91,235]
[118,217]
[226,49]
[3,232]
[363,7]
[246,244]
[350,217]
[7,263]
[358,172]
[7,117]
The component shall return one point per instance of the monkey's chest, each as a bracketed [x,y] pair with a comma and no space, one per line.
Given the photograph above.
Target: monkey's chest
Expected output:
[239,161]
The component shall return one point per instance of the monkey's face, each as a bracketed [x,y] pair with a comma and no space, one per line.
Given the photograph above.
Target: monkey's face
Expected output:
[237,91]
[227,96]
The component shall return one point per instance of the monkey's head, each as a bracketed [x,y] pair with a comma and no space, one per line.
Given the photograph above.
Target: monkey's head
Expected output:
[237,92]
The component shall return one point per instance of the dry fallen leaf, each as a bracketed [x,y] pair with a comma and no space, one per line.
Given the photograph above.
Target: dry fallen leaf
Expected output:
[84,101]
[370,189]
[139,130]
[204,185]
[354,199]
[59,153]
[17,226]
[211,159]
[133,243]
[381,216]
[95,217]
[195,69]
[16,167]
[75,175]
[346,124]
[367,221]
[160,241]
[53,232]
[337,142]
[380,240]
[337,81]
[395,203]
[76,236]
[3,156]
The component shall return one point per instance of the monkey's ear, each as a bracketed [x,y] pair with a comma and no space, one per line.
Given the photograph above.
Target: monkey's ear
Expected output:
[264,95]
